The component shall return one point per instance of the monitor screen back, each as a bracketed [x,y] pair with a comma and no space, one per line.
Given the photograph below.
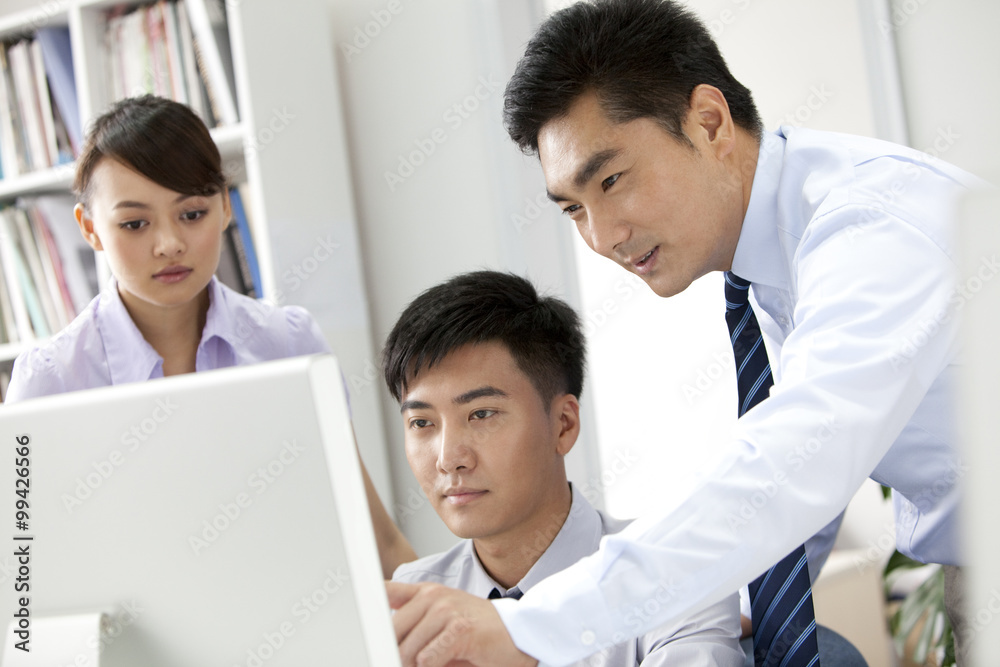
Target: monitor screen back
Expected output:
[218,519]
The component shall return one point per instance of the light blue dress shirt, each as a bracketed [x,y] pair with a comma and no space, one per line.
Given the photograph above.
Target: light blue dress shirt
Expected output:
[103,347]
[710,637]
[848,245]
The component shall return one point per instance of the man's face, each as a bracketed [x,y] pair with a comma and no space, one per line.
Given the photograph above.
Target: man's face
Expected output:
[664,210]
[486,451]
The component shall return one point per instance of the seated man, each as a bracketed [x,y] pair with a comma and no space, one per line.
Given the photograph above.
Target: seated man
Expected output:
[488,376]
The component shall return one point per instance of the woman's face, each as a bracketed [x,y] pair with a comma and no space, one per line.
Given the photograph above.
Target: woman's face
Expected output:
[163,247]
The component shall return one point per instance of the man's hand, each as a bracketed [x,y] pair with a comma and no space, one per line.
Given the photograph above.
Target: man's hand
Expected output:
[438,626]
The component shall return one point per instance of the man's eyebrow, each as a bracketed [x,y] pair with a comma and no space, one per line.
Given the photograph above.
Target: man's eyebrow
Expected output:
[481,392]
[587,171]
[414,405]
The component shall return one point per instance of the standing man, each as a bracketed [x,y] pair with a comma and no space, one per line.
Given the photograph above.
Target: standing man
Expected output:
[658,155]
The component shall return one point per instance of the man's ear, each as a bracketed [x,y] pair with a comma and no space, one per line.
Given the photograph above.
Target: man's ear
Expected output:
[709,116]
[86,224]
[566,411]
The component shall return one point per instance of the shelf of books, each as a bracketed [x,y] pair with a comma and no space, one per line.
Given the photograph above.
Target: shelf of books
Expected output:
[60,69]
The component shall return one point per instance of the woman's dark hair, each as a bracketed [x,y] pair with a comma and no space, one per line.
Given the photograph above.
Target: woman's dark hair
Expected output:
[542,334]
[162,140]
[642,58]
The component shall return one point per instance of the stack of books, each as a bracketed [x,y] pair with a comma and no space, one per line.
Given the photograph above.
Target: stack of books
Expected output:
[40,126]
[49,272]
[179,50]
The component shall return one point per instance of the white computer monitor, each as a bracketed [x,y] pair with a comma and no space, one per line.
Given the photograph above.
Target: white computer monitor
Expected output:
[218,518]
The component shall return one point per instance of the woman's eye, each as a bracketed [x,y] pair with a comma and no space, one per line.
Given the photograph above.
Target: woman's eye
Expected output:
[133,225]
[191,216]
[609,181]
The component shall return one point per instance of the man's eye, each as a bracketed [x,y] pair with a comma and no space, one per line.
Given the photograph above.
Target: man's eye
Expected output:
[483,414]
[571,209]
[609,181]
[419,423]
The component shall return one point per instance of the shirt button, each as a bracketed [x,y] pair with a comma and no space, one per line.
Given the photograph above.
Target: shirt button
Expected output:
[587,638]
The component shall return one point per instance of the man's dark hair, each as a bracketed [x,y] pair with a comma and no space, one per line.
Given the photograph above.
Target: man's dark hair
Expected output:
[542,334]
[642,58]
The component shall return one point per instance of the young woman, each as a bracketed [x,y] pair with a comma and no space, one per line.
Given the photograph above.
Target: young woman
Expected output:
[153,197]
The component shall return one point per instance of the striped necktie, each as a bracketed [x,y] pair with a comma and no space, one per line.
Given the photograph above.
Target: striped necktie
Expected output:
[514,593]
[784,627]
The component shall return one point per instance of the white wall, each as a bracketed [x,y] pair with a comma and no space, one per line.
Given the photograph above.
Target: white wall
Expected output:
[805,60]
[471,202]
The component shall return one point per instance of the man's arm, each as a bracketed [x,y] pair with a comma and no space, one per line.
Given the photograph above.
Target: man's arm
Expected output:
[845,394]
[710,637]
[437,626]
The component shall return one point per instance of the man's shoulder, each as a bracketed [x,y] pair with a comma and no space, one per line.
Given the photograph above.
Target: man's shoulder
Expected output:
[445,568]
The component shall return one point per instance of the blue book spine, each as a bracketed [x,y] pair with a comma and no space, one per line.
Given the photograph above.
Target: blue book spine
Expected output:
[240,216]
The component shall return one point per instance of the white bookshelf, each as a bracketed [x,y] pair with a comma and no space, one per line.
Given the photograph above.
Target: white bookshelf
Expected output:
[278,175]
[298,194]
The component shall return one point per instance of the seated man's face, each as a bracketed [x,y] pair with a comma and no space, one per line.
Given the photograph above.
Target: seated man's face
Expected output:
[485,450]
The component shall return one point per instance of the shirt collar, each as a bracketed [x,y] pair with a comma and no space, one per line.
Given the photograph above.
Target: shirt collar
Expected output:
[758,255]
[579,536]
[130,357]
[217,322]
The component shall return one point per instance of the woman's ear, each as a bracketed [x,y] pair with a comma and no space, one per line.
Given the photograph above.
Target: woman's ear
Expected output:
[227,209]
[86,224]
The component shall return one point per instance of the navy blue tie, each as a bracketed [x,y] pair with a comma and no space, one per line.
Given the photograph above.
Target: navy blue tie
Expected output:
[784,627]
[514,593]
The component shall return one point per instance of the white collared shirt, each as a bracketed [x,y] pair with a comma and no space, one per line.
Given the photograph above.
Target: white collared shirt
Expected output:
[848,245]
[710,637]
[103,347]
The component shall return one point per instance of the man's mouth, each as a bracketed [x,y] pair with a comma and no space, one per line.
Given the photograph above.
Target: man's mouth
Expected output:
[645,263]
